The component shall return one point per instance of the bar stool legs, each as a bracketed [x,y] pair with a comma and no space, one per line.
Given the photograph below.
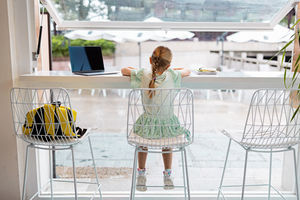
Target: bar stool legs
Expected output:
[296,174]
[244,176]
[224,168]
[51,174]
[185,186]
[25,172]
[74,173]
[183,174]
[133,183]
[270,177]
[270,174]
[95,169]
[187,175]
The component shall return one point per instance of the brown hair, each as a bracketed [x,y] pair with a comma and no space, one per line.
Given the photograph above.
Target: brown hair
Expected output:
[160,60]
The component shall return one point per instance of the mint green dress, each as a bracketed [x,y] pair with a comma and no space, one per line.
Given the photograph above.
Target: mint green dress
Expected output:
[157,123]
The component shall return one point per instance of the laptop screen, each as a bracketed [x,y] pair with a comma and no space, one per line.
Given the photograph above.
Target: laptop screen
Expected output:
[86,59]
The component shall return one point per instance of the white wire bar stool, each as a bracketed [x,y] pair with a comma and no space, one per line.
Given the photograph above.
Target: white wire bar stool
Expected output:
[269,128]
[165,121]
[51,128]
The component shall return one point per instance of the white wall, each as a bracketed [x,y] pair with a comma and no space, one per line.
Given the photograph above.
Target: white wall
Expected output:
[15,59]
[9,173]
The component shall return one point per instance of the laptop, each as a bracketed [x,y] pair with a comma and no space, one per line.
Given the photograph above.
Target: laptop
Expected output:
[87,61]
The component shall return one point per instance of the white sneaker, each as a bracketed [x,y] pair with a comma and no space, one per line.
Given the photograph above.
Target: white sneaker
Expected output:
[168,182]
[141,183]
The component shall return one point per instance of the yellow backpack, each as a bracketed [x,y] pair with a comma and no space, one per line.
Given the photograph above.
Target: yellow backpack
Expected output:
[52,121]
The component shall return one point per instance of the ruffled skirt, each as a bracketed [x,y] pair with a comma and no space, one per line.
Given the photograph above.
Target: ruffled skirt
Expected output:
[150,127]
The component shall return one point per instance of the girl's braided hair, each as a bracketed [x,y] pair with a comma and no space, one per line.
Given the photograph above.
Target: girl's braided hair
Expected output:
[160,61]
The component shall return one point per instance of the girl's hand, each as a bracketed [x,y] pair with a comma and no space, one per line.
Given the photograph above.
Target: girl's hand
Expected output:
[178,68]
[185,72]
[126,71]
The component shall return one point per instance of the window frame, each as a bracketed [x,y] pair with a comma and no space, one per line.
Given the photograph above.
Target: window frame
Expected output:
[190,26]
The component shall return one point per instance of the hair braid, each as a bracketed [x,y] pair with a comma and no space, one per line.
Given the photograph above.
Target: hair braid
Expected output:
[152,82]
[161,59]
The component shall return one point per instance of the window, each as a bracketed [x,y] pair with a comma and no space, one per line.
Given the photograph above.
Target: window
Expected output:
[175,14]
[203,15]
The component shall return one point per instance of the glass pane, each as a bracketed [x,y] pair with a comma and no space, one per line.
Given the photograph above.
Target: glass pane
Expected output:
[114,156]
[169,11]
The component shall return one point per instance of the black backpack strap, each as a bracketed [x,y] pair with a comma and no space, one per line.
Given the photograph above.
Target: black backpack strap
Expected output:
[80,131]
[56,103]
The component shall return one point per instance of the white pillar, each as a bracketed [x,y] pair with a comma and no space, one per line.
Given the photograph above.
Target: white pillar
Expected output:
[243,56]
[17,36]
[9,175]
[231,55]
[260,58]
[279,59]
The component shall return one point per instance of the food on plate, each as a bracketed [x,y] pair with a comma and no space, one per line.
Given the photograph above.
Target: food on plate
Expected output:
[206,69]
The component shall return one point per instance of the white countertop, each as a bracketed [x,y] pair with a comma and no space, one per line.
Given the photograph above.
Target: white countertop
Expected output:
[222,80]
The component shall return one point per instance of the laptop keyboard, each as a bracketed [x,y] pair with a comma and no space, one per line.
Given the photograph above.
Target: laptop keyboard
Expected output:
[95,73]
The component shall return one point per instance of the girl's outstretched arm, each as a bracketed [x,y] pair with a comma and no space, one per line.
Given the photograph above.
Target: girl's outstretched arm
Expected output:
[126,71]
[184,72]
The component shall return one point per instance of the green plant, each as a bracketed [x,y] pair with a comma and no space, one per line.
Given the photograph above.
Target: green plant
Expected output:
[60,46]
[295,75]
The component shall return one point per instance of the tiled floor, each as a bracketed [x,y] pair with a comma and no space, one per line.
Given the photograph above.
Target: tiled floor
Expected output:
[205,156]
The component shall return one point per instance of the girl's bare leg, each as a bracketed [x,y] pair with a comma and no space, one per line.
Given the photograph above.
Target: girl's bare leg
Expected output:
[167,157]
[168,180]
[142,157]
[141,178]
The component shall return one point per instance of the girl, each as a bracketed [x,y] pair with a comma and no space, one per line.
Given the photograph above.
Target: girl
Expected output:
[161,76]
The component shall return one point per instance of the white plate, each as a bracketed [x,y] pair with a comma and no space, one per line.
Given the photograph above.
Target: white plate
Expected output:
[205,73]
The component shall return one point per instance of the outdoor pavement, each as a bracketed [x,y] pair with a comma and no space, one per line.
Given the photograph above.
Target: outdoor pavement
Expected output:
[107,115]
